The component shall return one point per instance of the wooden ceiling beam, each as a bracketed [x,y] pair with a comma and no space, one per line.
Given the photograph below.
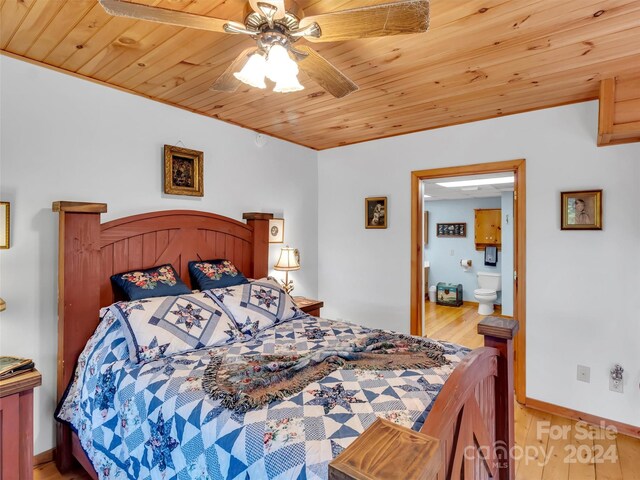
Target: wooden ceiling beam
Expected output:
[619,115]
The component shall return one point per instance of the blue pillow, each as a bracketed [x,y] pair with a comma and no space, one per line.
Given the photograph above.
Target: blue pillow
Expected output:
[162,281]
[221,273]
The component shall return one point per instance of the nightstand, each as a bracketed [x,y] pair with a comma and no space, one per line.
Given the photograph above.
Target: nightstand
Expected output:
[16,425]
[308,305]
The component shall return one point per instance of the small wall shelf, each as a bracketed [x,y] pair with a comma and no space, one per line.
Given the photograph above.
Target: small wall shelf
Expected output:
[488,228]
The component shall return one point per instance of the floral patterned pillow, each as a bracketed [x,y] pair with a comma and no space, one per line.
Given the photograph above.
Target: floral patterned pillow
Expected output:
[153,282]
[162,326]
[208,274]
[257,305]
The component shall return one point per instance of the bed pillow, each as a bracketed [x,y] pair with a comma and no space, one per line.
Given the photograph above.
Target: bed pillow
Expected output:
[159,281]
[162,326]
[257,305]
[208,274]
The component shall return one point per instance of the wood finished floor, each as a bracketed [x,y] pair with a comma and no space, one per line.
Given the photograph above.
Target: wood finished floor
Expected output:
[454,324]
[541,452]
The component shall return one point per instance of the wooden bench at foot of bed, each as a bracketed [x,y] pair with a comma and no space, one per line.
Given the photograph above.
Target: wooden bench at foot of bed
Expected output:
[467,435]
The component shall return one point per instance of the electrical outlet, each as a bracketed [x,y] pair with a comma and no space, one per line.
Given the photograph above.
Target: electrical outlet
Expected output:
[584,373]
[615,385]
[452,253]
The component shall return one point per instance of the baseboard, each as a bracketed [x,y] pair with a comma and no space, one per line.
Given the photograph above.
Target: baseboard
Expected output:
[44,457]
[623,428]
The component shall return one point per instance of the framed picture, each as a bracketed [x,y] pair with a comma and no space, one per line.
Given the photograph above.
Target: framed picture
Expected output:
[183,171]
[5,224]
[457,230]
[276,230]
[375,210]
[581,210]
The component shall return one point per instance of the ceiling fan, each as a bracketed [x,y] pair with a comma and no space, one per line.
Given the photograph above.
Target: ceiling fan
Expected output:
[276,29]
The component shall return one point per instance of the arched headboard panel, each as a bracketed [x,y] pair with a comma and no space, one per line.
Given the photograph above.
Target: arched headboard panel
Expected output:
[176,237]
[90,252]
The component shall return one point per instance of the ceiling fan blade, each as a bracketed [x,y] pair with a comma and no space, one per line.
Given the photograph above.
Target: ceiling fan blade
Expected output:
[120,8]
[324,74]
[227,82]
[409,16]
[278,4]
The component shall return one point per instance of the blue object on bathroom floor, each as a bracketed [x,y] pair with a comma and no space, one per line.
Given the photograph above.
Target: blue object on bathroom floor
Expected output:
[449,294]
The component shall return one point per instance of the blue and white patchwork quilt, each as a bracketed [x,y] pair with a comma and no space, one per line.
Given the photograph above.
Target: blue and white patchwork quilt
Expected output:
[154,420]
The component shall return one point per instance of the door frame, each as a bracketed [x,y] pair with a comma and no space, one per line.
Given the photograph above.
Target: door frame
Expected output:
[519,250]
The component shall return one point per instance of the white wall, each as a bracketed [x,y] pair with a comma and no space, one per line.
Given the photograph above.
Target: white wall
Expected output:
[445,266]
[67,139]
[571,318]
[506,257]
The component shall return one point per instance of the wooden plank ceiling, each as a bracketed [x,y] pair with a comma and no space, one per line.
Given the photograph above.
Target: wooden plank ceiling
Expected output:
[480,59]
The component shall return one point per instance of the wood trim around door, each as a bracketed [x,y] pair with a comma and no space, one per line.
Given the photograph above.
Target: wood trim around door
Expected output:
[519,250]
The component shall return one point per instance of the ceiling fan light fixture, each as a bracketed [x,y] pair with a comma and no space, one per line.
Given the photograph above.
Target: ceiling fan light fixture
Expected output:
[288,84]
[280,65]
[253,72]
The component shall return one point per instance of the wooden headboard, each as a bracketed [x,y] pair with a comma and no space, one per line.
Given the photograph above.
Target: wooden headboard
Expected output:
[90,252]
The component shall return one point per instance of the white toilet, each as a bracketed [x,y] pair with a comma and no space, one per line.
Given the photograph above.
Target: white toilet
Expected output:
[490,284]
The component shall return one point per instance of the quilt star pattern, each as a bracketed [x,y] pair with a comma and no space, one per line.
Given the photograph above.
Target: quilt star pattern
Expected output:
[154,420]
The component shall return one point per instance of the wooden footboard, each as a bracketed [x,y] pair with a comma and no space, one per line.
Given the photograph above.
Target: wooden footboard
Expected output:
[468,433]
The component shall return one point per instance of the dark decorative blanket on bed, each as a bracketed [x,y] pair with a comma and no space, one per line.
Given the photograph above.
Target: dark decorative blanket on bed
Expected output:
[245,382]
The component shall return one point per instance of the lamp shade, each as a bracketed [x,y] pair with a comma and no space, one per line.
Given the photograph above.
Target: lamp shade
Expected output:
[287,85]
[288,260]
[253,72]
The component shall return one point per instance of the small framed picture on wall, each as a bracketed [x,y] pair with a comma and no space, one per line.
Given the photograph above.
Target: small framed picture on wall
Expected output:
[581,210]
[183,171]
[276,230]
[375,210]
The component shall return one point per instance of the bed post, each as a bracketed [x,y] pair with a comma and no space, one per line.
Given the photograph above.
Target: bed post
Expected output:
[499,333]
[260,224]
[78,297]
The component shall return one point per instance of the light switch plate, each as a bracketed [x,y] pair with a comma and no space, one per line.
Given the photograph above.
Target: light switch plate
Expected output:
[584,373]
[616,386]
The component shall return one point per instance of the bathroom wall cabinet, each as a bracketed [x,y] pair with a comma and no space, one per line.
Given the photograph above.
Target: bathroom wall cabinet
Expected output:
[488,228]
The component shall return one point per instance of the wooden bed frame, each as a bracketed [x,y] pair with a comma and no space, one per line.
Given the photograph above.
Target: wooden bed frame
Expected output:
[474,408]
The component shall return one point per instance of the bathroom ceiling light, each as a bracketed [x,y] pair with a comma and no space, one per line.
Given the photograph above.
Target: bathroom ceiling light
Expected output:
[427,196]
[479,181]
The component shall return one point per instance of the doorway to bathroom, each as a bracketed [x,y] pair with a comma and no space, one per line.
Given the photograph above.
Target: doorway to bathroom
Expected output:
[468,241]
[467,254]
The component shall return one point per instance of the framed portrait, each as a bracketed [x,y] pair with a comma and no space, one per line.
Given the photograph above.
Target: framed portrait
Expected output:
[183,171]
[5,225]
[581,210]
[375,210]
[456,230]
[276,230]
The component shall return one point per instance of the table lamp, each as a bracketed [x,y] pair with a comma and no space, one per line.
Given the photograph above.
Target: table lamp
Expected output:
[287,262]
